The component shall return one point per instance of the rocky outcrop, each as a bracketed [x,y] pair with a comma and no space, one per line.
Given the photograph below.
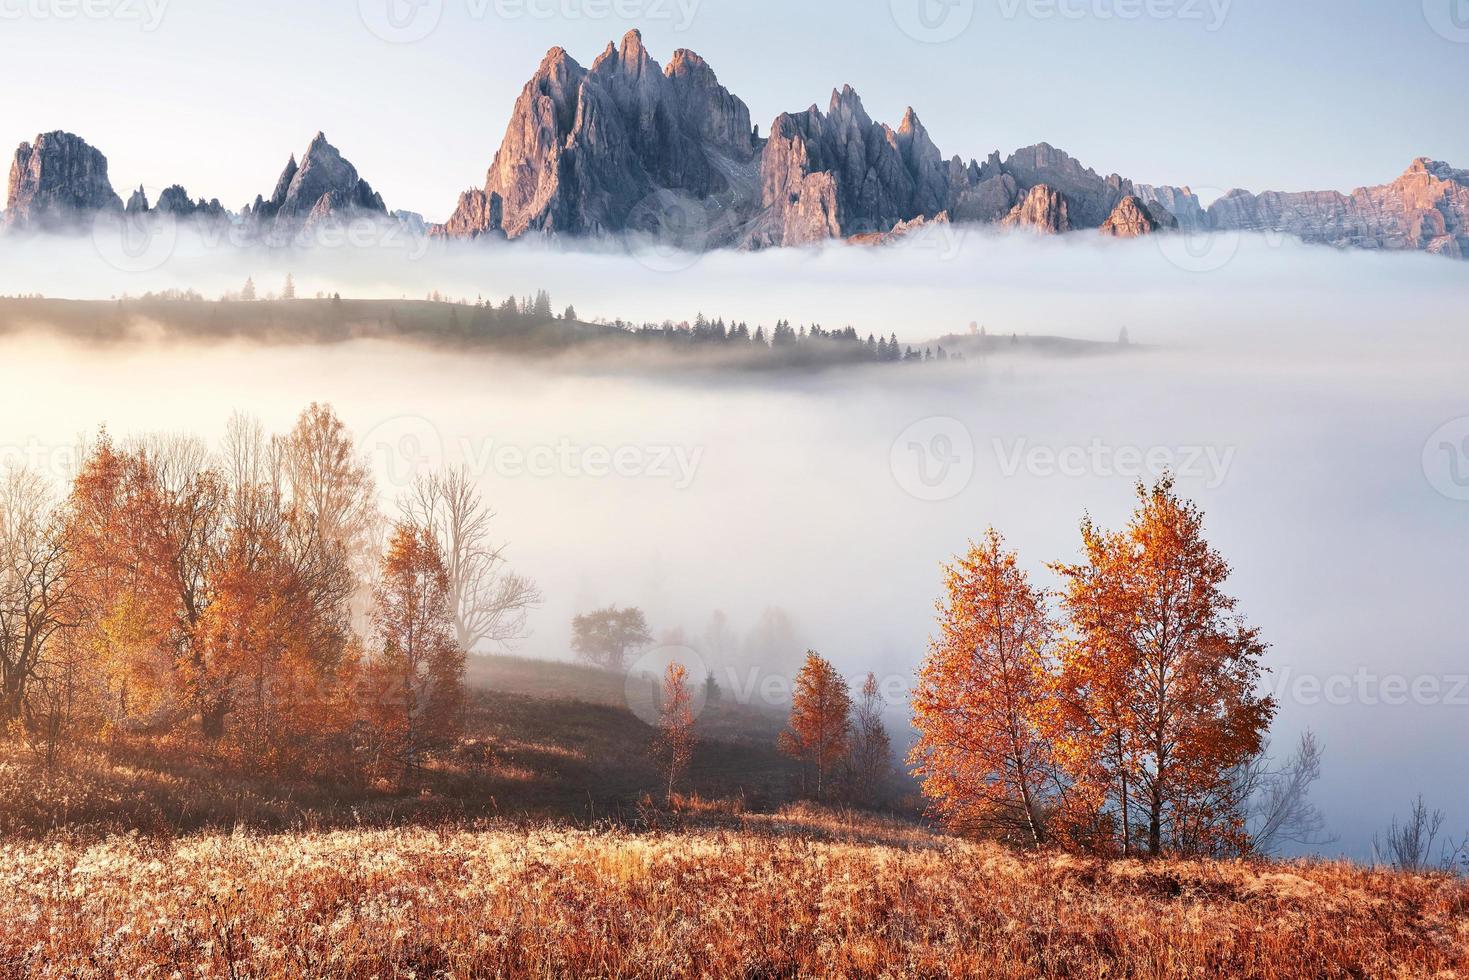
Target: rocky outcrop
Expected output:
[585,147]
[1043,210]
[839,174]
[1090,198]
[56,182]
[1180,202]
[1426,209]
[323,186]
[175,201]
[1133,217]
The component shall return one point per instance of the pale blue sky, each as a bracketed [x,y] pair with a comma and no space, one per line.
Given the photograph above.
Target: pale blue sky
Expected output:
[1255,93]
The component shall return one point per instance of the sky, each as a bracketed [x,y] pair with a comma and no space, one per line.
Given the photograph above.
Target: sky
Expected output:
[216,95]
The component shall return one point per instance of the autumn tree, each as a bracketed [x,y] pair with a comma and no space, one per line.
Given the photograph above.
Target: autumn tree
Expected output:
[984,753]
[115,530]
[674,746]
[604,637]
[329,484]
[1159,681]
[279,616]
[490,602]
[870,762]
[35,588]
[820,729]
[415,652]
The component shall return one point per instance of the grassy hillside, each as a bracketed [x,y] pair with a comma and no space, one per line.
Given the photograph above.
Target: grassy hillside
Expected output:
[798,893]
[535,848]
[541,740]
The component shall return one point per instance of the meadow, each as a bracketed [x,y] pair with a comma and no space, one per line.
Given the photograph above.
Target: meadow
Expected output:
[537,849]
[798,892]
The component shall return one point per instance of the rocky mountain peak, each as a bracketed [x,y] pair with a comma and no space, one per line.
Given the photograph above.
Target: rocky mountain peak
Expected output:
[1043,210]
[56,181]
[323,184]
[1133,218]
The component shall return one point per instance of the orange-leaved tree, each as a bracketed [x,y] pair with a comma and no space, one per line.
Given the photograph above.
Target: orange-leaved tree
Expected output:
[674,746]
[416,657]
[820,729]
[1159,680]
[983,703]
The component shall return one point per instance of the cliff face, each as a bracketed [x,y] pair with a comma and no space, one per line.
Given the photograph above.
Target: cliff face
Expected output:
[1180,202]
[1133,217]
[1427,209]
[1089,197]
[56,182]
[585,146]
[839,174]
[1043,210]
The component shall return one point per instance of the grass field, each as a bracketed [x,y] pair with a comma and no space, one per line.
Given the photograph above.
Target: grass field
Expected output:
[795,893]
[536,849]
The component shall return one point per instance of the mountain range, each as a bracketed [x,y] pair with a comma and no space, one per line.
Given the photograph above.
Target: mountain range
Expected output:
[629,146]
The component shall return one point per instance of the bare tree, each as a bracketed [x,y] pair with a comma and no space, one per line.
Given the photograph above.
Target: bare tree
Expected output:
[1409,846]
[871,760]
[34,582]
[1276,802]
[490,602]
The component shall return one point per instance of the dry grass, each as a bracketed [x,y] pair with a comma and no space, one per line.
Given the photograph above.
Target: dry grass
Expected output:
[533,850]
[800,893]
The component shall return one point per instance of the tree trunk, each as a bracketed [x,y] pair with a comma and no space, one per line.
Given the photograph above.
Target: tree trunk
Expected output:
[211,719]
[1155,825]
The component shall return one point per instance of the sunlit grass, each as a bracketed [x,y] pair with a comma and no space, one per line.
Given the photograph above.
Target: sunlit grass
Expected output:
[801,892]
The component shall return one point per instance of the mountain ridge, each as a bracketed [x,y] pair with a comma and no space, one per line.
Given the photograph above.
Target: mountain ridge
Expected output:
[631,146]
